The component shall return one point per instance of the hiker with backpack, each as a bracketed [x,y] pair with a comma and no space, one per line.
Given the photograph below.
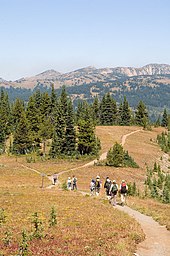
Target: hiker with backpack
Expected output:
[69,183]
[92,187]
[123,192]
[55,177]
[97,185]
[107,186]
[74,183]
[113,192]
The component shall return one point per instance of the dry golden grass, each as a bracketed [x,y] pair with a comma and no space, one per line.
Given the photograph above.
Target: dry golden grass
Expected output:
[86,225]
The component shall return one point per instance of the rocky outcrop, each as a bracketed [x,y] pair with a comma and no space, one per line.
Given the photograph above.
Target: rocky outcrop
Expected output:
[88,75]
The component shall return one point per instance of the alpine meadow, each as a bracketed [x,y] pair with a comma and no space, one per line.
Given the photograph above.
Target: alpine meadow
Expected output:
[47,135]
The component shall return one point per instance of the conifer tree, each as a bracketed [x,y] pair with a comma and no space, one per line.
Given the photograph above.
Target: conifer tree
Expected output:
[64,102]
[45,132]
[108,110]
[34,119]
[5,113]
[70,133]
[81,111]
[164,121]
[96,111]
[58,139]
[22,142]
[141,116]
[87,141]
[45,108]
[115,155]
[125,114]
[2,137]
[17,112]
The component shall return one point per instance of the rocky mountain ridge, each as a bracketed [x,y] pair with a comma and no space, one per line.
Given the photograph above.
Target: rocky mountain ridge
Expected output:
[87,75]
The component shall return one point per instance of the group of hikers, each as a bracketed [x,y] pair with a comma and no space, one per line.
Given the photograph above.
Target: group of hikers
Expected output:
[72,183]
[111,188]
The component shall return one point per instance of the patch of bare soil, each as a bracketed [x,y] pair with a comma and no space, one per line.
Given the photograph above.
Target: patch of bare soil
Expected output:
[157,242]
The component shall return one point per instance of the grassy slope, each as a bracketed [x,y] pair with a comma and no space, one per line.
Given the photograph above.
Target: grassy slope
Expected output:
[86,226]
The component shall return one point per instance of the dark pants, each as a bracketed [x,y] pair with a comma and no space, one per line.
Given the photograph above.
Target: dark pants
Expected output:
[74,186]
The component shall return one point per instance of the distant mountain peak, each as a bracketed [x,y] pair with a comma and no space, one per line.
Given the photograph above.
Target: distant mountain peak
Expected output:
[50,72]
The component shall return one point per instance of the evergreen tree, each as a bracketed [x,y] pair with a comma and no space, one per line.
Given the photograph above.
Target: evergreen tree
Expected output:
[96,111]
[22,142]
[70,133]
[125,113]
[115,155]
[34,119]
[2,137]
[64,102]
[108,110]
[164,122]
[87,141]
[45,132]
[141,117]
[17,113]
[5,113]
[58,139]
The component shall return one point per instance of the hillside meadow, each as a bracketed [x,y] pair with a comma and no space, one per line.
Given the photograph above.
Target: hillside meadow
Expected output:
[85,225]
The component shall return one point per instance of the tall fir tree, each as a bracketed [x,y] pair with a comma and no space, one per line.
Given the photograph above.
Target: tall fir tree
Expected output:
[17,113]
[96,111]
[58,138]
[164,121]
[125,114]
[108,110]
[22,142]
[70,133]
[141,115]
[88,143]
[34,119]
[5,112]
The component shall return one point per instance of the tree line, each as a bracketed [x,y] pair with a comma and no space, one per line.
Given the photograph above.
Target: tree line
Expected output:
[69,131]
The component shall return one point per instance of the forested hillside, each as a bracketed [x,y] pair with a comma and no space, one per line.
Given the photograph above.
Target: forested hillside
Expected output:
[49,124]
[154,91]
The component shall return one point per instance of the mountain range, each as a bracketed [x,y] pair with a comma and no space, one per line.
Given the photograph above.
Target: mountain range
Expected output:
[89,75]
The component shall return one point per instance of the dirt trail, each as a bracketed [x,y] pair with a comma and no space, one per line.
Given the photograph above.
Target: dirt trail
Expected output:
[157,242]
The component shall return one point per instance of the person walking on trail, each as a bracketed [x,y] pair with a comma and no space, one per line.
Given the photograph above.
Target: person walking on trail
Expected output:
[69,183]
[92,187]
[74,183]
[55,179]
[113,192]
[107,186]
[123,192]
[97,185]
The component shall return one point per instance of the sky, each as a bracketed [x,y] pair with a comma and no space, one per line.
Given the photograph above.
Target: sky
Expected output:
[65,35]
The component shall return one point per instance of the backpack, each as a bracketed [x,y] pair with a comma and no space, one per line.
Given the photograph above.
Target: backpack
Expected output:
[97,183]
[114,188]
[107,184]
[123,188]
[74,180]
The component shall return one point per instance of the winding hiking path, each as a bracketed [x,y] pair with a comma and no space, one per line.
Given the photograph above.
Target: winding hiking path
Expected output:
[157,241]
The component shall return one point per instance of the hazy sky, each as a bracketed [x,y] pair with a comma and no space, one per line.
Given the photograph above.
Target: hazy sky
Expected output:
[36,35]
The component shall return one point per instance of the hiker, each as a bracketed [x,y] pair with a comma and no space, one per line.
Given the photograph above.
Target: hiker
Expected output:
[97,185]
[69,183]
[55,179]
[92,187]
[107,185]
[113,192]
[123,192]
[74,183]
